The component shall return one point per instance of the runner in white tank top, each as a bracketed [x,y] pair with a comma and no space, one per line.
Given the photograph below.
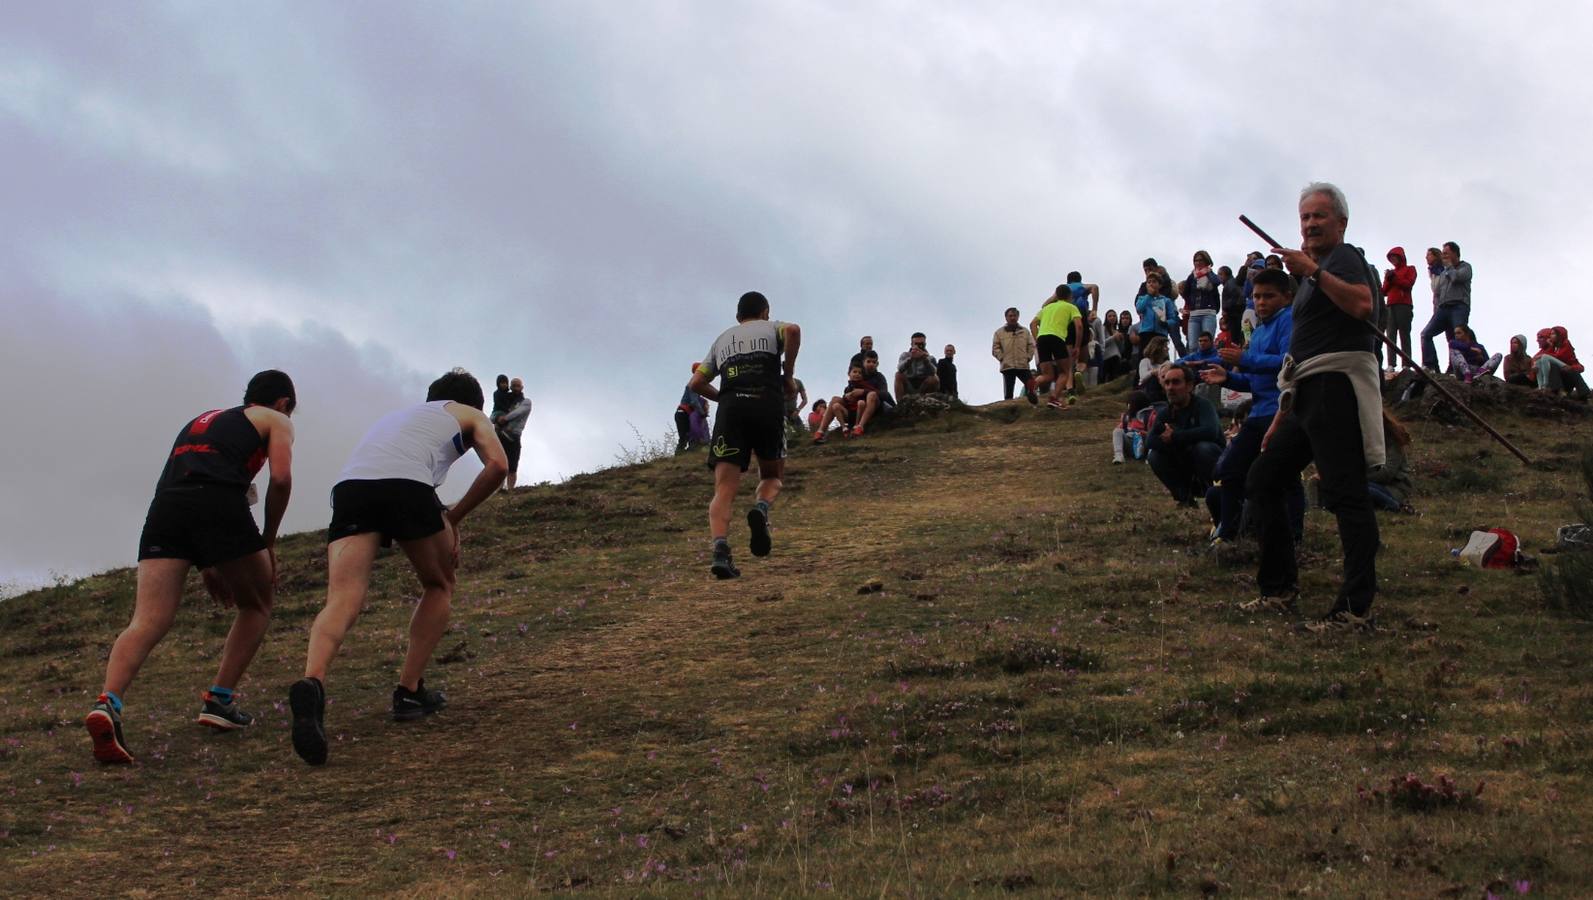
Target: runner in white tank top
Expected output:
[416,444]
[386,492]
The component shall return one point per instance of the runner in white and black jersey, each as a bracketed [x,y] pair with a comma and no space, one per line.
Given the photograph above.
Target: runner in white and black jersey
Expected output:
[387,492]
[756,364]
[200,519]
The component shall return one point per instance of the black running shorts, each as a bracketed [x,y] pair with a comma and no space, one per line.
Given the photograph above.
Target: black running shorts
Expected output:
[740,435]
[1051,348]
[396,508]
[205,525]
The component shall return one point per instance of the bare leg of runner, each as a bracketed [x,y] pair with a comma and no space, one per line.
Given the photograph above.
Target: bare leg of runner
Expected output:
[248,581]
[160,589]
[348,563]
[433,559]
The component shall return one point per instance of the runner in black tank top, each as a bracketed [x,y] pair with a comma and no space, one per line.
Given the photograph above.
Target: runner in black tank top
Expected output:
[200,518]
[221,447]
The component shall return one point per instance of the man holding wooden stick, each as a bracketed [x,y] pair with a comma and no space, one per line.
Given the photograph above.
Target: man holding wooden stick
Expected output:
[1330,413]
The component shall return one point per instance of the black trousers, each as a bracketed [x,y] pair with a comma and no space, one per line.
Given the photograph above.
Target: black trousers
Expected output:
[1008,376]
[1323,427]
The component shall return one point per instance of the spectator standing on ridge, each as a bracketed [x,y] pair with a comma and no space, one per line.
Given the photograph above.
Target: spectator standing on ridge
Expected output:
[1157,312]
[1330,412]
[1169,321]
[1185,437]
[1518,366]
[1253,370]
[510,426]
[865,346]
[756,363]
[1056,328]
[387,492]
[200,519]
[1233,302]
[1397,284]
[1558,368]
[691,416]
[1111,348]
[1013,348]
[946,370]
[1452,290]
[1202,293]
[915,369]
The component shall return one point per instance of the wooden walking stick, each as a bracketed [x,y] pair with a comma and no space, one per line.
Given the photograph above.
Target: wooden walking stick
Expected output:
[1409,363]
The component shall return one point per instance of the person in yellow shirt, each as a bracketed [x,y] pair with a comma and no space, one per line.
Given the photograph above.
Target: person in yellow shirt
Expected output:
[1058,336]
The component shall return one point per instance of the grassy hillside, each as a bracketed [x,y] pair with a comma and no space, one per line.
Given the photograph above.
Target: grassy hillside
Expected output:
[982,660]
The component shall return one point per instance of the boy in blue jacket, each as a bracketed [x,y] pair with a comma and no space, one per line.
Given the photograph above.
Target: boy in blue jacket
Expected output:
[1254,370]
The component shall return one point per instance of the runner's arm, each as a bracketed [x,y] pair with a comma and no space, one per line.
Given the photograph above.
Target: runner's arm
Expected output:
[793,343]
[474,426]
[279,456]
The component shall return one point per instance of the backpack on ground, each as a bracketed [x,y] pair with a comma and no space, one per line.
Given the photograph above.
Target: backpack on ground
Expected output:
[1496,548]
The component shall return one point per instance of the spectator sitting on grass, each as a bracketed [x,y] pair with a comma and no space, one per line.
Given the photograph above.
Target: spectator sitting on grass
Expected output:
[816,416]
[1131,429]
[1185,438]
[1389,486]
[1155,354]
[872,375]
[1204,354]
[853,407]
[1558,369]
[915,369]
[947,371]
[1467,358]
[794,404]
[1518,367]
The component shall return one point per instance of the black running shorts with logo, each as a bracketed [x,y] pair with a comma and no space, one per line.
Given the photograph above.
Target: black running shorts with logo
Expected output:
[396,508]
[741,434]
[204,524]
[1050,348]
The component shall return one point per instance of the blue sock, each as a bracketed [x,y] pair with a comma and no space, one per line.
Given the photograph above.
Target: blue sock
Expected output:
[763,506]
[222,695]
[116,702]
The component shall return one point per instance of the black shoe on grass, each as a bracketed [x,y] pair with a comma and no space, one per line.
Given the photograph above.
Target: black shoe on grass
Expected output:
[409,705]
[758,521]
[722,567]
[223,716]
[104,726]
[307,698]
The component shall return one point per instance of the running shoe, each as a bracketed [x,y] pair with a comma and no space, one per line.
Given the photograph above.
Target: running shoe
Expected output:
[104,725]
[758,521]
[307,698]
[818,437]
[1340,621]
[1282,603]
[722,566]
[223,716]
[1073,396]
[857,431]
[1055,403]
[409,705]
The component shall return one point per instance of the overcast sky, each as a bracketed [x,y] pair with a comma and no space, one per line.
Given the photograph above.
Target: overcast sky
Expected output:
[365,194]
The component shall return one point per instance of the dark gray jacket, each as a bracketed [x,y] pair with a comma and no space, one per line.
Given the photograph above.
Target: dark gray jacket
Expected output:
[1454,285]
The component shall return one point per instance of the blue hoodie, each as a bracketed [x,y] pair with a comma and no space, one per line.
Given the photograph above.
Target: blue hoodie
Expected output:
[1148,323]
[1257,372]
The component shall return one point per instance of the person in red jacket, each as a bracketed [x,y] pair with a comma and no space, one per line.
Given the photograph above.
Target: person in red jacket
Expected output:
[1397,283]
[1558,369]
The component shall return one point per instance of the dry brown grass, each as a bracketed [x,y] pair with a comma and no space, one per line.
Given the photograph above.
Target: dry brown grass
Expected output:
[1051,693]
